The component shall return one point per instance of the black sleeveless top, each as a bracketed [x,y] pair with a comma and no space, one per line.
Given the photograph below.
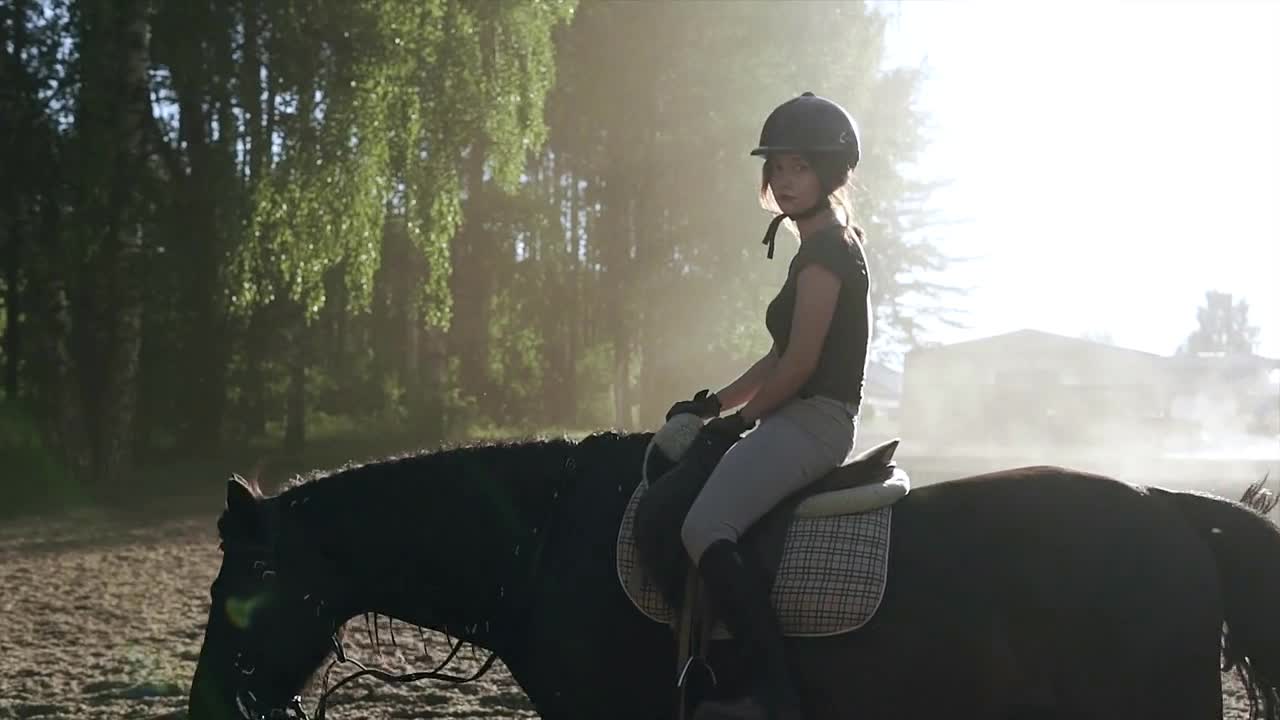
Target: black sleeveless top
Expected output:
[842,363]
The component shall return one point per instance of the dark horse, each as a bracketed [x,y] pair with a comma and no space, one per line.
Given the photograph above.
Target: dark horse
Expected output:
[1035,592]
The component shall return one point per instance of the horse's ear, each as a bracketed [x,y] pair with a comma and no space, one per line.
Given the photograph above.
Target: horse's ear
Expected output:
[240,498]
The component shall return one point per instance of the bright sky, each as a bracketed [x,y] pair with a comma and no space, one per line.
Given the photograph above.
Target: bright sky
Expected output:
[1114,160]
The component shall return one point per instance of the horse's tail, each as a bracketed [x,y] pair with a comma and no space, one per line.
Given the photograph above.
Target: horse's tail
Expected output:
[1246,546]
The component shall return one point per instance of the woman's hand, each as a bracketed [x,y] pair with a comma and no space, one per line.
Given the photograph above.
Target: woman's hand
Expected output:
[705,405]
[731,427]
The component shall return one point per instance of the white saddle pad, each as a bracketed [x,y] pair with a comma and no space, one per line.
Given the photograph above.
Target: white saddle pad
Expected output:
[830,580]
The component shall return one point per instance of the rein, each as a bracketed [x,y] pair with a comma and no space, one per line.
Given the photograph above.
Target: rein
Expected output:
[386,677]
[294,710]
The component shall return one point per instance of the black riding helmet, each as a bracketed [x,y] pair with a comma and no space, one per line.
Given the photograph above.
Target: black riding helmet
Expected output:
[807,125]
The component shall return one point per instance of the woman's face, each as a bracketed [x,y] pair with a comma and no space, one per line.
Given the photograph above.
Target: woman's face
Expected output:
[793,182]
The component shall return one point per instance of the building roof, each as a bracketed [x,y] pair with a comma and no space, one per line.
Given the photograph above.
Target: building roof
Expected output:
[1028,337]
[1237,361]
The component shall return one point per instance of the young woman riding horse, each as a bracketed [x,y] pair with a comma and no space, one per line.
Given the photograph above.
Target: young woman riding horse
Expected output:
[804,393]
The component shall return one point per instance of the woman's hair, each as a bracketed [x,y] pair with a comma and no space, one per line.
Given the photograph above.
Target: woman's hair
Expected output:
[833,172]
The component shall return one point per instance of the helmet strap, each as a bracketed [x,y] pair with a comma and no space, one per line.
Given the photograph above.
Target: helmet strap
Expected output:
[771,233]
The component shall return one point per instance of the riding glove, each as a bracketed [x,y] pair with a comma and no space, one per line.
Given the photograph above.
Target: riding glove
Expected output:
[705,405]
[731,427]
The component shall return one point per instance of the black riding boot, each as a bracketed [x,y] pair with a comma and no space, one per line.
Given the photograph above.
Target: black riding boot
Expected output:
[741,597]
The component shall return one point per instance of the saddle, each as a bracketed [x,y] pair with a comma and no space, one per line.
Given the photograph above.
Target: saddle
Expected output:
[868,481]
[824,548]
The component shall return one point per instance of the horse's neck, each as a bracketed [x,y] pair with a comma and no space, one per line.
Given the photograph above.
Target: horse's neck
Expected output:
[520,543]
[452,553]
[586,649]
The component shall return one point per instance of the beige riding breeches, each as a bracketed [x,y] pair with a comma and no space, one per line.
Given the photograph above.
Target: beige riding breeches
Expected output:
[790,448]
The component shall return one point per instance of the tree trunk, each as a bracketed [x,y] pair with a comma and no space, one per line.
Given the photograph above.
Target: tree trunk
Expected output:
[620,330]
[199,242]
[333,334]
[573,313]
[251,90]
[56,384]
[13,310]
[113,112]
[471,284]
[295,428]
[260,121]
[19,131]
[258,339]
[426,356]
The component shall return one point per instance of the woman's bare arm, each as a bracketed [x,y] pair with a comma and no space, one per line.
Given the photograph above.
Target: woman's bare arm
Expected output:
[741,391]
[817,290]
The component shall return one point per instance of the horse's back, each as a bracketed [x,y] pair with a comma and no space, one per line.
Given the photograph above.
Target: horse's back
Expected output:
[1001,583]
[1051,531]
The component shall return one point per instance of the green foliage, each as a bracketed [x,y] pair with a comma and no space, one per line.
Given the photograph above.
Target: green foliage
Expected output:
[376,103]
[320,178]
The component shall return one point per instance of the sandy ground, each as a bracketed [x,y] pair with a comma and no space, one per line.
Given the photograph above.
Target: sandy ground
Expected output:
[103,619]
[100,619]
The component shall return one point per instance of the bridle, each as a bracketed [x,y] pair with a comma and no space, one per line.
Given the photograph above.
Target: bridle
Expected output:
[266,564]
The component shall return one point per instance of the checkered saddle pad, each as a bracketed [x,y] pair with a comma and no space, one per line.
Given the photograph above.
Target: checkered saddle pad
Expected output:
[830,578]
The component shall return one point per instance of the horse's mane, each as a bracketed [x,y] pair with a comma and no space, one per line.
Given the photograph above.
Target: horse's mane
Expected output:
[532,457]
[526,452]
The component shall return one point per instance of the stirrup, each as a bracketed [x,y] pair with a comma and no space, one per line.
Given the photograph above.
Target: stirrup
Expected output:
[684,671]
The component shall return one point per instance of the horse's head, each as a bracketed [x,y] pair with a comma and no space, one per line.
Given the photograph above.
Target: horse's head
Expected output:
[268,626]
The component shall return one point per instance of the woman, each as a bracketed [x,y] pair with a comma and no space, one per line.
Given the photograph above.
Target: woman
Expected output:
[805,393]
